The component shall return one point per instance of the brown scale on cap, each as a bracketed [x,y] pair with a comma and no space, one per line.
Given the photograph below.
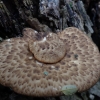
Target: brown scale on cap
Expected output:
[20,71]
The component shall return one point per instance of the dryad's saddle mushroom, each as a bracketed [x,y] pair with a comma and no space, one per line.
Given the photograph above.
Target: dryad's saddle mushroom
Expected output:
[76,70]
[49,49]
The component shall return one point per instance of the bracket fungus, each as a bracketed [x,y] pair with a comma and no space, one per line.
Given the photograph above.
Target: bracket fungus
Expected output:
[49,49]
[77,71]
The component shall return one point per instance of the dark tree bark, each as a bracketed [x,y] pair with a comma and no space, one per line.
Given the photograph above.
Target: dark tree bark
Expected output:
[42,15]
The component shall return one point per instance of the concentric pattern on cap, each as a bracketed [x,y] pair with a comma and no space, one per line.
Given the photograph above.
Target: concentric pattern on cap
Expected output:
[25,75]
[50,49]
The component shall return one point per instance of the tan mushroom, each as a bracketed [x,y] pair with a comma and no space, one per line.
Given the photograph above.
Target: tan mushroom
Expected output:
[77,71]
[49,49]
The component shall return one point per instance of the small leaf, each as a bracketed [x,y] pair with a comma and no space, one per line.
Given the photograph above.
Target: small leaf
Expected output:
[69,89]
[45,73]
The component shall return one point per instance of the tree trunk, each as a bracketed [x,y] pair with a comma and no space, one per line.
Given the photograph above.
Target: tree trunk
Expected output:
[42,15]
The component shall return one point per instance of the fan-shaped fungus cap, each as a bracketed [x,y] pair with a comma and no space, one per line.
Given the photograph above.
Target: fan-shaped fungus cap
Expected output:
[77,71]
[49,49]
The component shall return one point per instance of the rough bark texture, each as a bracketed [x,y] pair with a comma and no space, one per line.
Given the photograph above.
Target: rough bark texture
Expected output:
[42,15]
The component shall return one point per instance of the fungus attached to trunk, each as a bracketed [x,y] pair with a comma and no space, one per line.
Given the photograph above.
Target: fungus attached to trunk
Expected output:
[76,71]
